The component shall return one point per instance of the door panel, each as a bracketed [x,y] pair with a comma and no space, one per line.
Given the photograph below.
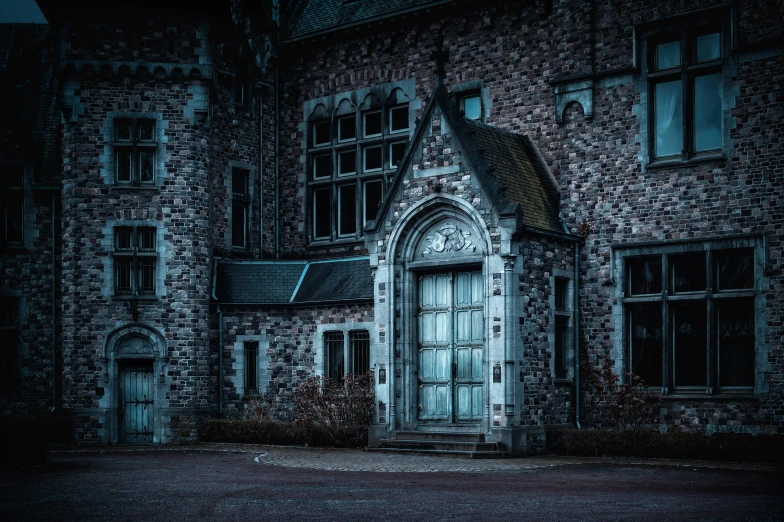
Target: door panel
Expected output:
[136,404]
[451,353]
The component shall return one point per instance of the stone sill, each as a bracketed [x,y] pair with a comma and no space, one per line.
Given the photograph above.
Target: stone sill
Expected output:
[141,299]
[679,163]
[134,188]
[564,382]
[706,397]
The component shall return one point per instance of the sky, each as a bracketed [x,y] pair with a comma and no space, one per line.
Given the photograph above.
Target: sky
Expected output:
[20,11]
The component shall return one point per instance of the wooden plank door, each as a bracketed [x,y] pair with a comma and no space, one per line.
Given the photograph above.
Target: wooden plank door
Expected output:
[451,347]
[136,403]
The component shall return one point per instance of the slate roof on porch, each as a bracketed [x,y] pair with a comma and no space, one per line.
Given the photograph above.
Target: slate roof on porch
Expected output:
[298,282]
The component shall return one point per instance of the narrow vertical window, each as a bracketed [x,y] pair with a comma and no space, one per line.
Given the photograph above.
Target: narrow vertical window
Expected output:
[347,210]
[371,200]
[251,367]
[333,351]
[563,343]
[359,348]
[240,208]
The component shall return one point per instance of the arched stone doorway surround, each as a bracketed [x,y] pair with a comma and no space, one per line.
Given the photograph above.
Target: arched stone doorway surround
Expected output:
[139,347]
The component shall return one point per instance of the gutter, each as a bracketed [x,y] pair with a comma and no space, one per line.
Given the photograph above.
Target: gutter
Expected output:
[54,310]
[576,332]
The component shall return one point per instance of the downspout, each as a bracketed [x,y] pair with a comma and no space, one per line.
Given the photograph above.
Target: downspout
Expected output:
[576,331]
[220,338]
[277,161]
[54,309]
[261,173]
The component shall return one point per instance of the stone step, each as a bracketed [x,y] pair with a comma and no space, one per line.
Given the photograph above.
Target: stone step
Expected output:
[444,453]
[440,436]
[447,445]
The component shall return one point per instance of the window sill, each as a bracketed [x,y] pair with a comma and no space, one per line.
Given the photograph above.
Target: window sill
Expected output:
[141,298]
[564,382]
[705,397]
[134,188]
[322,243]
[240,252]
[658,164]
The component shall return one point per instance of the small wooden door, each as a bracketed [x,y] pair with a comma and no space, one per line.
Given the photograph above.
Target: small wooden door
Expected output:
[136,402]
[451,347]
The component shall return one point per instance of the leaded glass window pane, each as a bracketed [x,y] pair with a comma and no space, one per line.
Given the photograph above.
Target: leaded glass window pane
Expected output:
[668,118]
[690,344]
[646,343]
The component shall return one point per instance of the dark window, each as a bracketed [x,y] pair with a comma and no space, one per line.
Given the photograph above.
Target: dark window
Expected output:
[372,199]
[563,341]
[396,151]
[135,260]
[372,158]
[349,162]
[346,358]
[372,124]
[240,208]
[12,205]
[685,78]
[134,151]
[682,333]
[8,344]
[251,367]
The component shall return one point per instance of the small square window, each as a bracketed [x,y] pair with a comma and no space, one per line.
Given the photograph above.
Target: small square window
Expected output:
[734,270]
[708,47]
[322,166]
[644,275]
[347,162]
[688,273]
[471,106]
[321,133]
[398,119]
[668,55]
[372,124]
[347,128]
[372,158]
[396,152]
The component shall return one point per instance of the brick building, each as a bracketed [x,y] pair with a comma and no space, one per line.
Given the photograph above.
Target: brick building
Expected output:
[215,203]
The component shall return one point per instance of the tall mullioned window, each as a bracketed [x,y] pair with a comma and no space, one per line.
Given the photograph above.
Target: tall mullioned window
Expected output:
[683,67]
[134,151]
[690,319]
[135,260]
[351,155]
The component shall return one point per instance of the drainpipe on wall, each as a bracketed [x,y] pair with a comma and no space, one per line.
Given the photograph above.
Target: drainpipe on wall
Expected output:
[261,173]
[54,310]
[576,330]
[277,161]
[220,338]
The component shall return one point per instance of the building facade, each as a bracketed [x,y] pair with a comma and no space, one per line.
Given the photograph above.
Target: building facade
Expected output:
[478,203]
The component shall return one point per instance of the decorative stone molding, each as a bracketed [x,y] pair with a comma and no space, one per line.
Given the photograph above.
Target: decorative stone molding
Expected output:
[574,91]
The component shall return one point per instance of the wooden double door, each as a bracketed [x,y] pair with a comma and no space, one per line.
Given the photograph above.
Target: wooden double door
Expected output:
[451,347]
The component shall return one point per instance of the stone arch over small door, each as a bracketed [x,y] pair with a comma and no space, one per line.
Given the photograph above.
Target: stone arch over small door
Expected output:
[135,361]
[442,240]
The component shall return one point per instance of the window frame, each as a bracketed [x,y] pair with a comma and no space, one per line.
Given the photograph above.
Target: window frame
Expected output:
[562,320]
[250,378]
[349,343]
[135,146]
[341,149]
[685,30]
[242,201]
[134,255]
[11,193]
[669,301]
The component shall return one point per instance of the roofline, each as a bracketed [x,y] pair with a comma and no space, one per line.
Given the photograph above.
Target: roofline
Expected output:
[294,304]
[290,261]
[364,21]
